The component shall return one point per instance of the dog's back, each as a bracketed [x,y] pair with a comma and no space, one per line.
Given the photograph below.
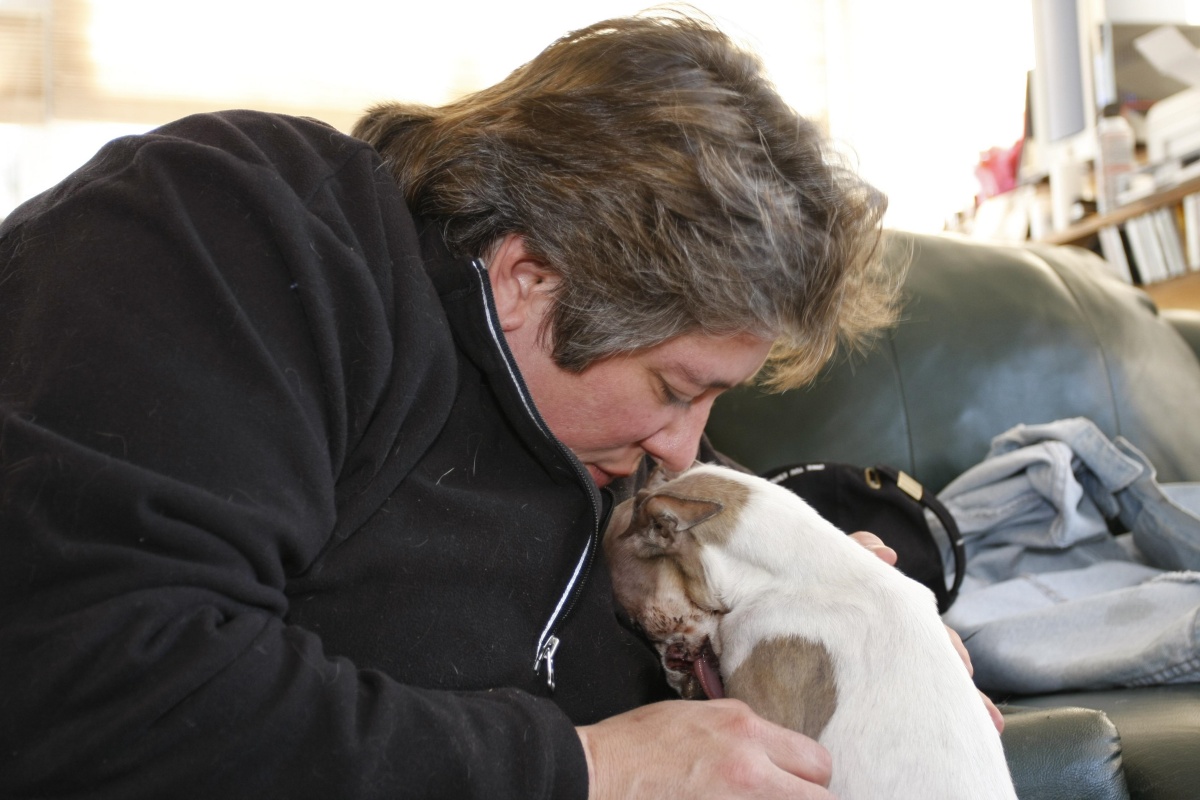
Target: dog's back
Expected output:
[818,634]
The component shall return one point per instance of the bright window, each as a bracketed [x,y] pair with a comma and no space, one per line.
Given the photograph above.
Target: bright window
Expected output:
[914,89]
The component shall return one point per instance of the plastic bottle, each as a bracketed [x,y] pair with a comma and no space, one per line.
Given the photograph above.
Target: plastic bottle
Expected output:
[1114,158]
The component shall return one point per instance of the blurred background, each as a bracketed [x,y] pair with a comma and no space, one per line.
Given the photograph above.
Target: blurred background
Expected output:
[912,91]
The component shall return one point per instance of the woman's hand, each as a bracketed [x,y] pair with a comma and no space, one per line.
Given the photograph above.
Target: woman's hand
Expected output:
[711,749]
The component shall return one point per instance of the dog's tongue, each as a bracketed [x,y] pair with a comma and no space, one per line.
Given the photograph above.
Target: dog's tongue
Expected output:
[707,669]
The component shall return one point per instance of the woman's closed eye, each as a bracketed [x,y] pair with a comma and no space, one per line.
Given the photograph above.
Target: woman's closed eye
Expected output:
[672,397]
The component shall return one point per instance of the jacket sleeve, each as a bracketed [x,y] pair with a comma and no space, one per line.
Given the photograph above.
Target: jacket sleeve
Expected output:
[201,340]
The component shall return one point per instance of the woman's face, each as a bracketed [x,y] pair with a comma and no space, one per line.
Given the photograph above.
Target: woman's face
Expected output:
[653,401]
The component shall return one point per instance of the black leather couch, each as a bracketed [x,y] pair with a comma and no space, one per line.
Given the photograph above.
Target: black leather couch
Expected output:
[993,336]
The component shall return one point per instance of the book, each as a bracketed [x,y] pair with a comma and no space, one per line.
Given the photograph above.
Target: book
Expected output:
[1112,246]
[1168,237]
[1147,252]
[1191,230]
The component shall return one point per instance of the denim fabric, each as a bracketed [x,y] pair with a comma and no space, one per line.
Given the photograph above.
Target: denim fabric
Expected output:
[1052,599]
[1165,520]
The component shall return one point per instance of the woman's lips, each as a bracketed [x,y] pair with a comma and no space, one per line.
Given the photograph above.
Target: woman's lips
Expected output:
[601,477]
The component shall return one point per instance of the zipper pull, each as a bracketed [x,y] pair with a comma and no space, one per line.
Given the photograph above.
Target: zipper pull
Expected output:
[546,654]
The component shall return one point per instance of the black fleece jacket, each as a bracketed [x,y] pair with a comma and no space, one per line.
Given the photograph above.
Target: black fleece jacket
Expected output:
[277,515]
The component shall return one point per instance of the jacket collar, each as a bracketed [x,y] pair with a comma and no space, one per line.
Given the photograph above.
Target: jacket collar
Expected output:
[466,296]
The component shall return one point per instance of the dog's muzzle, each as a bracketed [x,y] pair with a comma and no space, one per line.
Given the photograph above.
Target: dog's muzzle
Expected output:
[701,670]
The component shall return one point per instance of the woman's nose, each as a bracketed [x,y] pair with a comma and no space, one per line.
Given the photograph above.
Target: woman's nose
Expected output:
[676,444]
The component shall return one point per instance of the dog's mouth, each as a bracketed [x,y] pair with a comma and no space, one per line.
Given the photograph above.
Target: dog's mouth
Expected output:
[699,670]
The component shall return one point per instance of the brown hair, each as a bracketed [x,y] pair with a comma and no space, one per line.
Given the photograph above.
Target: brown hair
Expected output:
[650,163]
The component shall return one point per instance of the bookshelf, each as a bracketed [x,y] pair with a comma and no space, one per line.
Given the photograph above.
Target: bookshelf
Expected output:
[1090,226]
[1177,288]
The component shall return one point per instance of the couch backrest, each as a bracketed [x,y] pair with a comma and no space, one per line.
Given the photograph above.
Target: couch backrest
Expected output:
[991,336]
[1187,322]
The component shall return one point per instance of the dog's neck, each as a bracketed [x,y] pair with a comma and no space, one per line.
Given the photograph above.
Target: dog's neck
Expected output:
[784,546]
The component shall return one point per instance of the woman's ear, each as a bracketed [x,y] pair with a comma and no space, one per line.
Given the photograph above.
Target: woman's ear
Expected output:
[521,284]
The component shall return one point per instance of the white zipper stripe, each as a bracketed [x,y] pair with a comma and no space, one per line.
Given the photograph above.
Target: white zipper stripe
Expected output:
[502,346]
[514,374]
[561,602]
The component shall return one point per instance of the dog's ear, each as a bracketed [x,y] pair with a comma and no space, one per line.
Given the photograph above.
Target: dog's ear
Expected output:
[670,515]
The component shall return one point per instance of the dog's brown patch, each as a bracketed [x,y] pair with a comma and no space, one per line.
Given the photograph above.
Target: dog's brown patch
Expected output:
[788,667]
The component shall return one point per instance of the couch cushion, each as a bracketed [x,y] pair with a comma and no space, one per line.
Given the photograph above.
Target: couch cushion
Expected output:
[991,336]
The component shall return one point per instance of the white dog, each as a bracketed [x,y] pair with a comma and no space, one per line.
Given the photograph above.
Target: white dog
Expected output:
[740,581]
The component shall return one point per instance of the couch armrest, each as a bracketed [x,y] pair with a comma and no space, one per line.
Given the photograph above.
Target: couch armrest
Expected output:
[1063,754]
[1159,728]
[1187,322]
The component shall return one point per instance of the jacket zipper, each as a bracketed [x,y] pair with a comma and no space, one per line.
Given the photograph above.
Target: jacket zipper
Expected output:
[548,642]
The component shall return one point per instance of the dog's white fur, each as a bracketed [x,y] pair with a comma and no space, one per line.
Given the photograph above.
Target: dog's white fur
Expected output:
[907,721]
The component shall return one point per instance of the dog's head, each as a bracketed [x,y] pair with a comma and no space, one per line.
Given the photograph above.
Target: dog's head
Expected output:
[655,545]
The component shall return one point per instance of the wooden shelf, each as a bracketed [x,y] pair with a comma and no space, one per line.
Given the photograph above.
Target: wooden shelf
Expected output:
[1091,225]
[1181,292]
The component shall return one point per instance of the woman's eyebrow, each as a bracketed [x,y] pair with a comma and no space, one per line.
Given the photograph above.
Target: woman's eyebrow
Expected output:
[694,378]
